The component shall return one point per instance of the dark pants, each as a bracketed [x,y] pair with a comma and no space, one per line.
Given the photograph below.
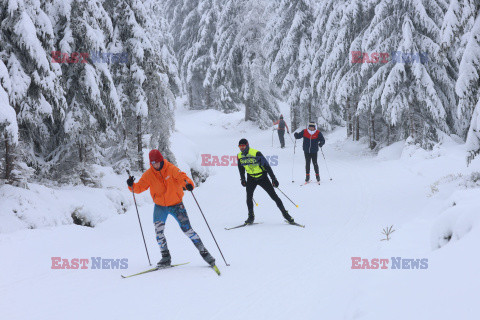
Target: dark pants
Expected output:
[265,183]
[281,134]
[311,157]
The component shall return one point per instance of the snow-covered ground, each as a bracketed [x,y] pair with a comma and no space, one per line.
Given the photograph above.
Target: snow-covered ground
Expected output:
[277,271]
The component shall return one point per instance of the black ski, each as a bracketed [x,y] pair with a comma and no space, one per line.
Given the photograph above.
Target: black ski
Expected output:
[243,225]
[154,269]
[295,224]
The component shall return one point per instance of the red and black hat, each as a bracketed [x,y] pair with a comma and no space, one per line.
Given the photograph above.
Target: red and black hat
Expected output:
[155,156]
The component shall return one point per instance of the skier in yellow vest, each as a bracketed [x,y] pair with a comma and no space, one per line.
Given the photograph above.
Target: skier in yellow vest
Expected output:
[257,167]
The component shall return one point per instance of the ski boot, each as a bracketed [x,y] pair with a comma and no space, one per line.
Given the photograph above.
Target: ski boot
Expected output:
[307,178]
[166,260]
[287,217]
[208,257]
[318,177]
[205,254]
[251,218]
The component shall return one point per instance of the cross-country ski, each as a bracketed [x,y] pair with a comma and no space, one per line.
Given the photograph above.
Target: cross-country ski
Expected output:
[242,225]
[154,269]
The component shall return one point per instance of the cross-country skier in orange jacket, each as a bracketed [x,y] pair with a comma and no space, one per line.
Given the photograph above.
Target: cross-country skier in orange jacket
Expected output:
[166,183]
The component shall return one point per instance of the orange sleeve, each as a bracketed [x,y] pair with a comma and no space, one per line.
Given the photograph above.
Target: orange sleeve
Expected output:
[181,177]
[141,185]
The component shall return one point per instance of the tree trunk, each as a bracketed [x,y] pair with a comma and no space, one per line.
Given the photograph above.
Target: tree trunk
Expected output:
[294,122]
[349,123]
[372,121]
[412,124]
[357,127]
[373,144]
[190,97]
[8,159]
[208,97]
[80,152]
[388,133]
[139,143]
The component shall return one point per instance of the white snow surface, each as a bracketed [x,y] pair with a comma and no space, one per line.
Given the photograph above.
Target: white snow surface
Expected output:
[276,271]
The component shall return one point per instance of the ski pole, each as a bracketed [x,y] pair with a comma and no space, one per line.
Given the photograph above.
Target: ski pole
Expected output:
[290,136]
[326,164]
[209,228]
[138,215]
[296,205]
[273,130]
[255,202]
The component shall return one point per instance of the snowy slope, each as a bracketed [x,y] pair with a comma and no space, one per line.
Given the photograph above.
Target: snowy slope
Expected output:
[277,271]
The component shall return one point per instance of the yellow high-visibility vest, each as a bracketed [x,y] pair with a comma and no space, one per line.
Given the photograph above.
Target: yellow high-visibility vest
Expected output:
[251,163]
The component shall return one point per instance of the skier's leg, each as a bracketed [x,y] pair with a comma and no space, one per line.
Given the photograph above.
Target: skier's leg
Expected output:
[268,187]
[315,165]
[159,218]
[307,166]
[281,134]
[251,185]
[180,214]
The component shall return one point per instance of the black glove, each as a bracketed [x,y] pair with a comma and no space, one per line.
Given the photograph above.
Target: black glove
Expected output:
[189,187]
[320,144]
[243,182]
[130,181]
[275,183]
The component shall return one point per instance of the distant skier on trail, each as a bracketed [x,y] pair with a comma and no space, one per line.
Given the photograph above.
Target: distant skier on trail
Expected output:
[281,130]
[166,183]
[312,140]
[257,167]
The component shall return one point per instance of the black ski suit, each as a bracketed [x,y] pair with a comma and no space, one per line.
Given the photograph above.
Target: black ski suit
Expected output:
[261,181]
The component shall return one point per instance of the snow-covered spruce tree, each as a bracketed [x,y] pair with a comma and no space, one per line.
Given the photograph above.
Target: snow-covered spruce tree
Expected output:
[163,84]
[362,114]
[415,93]
[144,81]
[236,75]
[183,19]
[468,90]
[93,104]
[26,40]
[196,58]
[325,27]
[468,81]
[8,125]
[260,105]
[286,45]
[224,75]
[339,82]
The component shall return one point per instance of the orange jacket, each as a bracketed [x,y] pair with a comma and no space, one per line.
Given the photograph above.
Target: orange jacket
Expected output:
[166,186]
